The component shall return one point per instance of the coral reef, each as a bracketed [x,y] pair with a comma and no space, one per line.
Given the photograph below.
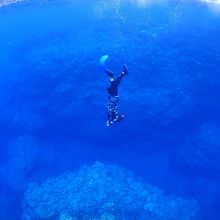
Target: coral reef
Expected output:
[102,192]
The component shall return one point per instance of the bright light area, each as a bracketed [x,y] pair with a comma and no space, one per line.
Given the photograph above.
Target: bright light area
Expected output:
[147,2]
[212,1]
[214,5]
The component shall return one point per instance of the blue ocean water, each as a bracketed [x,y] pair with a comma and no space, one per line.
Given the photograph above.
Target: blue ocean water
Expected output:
[59,160]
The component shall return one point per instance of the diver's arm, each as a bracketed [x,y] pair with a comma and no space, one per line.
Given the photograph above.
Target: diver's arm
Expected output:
[109,74]
[122,74]
[119,78]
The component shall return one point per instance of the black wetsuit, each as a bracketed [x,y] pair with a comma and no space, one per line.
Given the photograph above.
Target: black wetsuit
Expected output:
[113,89]
[113,100]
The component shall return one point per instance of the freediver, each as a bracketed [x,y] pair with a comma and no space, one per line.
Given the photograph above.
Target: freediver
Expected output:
[113,97]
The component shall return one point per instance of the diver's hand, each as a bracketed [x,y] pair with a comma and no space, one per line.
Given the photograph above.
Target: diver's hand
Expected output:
[125,70]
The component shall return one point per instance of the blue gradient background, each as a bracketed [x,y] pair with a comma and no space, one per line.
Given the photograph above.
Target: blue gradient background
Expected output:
[52,89]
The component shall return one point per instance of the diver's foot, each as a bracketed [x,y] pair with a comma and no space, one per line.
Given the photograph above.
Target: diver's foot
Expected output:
[108,123]
[118,118]
[125,70]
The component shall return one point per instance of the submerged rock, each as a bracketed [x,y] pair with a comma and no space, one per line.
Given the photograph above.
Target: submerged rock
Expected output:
[102,192]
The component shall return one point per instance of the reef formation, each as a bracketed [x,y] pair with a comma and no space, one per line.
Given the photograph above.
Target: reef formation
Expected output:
[102,192]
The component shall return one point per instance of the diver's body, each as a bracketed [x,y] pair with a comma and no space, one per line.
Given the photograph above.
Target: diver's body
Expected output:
[113,98]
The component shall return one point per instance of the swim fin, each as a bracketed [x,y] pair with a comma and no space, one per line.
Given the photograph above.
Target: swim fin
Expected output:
[103,60]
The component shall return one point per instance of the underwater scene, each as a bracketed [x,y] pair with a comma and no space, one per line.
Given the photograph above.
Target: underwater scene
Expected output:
[110,109]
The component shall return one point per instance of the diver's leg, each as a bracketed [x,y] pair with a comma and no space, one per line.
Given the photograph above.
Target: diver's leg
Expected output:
[112,110]
[110,118]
